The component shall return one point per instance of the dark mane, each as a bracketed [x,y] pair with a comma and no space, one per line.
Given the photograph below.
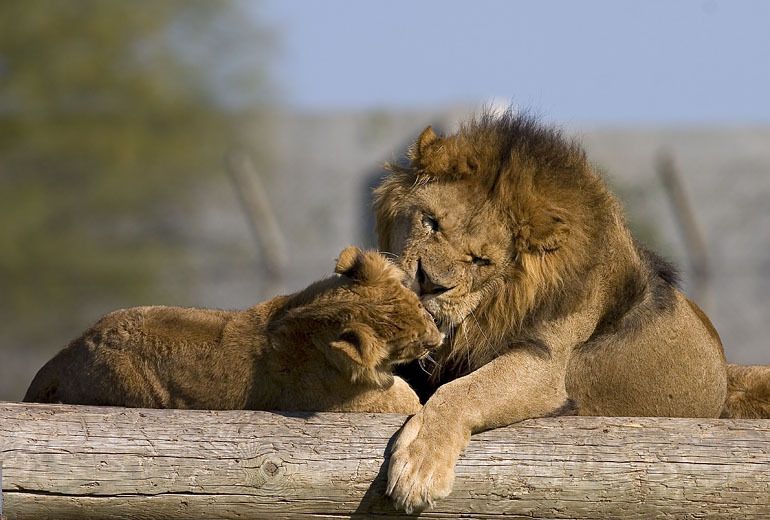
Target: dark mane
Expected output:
[521,134]
[659,266]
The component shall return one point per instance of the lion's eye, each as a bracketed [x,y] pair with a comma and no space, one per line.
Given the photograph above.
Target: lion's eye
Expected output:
[430,223]
[479,261]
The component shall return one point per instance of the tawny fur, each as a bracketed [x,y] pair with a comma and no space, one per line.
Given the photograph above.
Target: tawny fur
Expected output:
[524,258]
[331,346]
[748,392]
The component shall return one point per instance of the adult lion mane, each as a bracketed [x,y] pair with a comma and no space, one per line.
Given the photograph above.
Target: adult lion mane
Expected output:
[523,257]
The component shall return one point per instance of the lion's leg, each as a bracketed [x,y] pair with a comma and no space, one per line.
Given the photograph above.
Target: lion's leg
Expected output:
[517,385]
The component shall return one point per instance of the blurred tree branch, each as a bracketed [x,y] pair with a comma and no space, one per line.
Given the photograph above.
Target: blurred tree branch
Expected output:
[695,244]
[258,212]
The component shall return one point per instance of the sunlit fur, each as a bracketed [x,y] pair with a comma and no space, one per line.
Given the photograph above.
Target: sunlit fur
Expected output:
[331,346]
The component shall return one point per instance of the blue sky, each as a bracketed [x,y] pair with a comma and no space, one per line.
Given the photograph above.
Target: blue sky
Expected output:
[611,62]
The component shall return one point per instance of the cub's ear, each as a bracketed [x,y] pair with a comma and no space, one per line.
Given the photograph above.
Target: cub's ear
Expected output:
[349,262]
[545,232]
[348,347]
[358,354]
[367,267]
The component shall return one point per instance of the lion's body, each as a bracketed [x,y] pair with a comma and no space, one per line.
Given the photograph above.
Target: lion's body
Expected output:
[615,324]
[670,367]
[288,353]
[523,257]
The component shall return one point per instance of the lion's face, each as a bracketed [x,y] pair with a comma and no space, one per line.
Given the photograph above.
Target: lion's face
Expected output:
[392,328]
[454,248]
[492,225]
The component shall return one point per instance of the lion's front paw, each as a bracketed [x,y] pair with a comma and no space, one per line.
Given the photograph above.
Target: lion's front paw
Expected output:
[421,467]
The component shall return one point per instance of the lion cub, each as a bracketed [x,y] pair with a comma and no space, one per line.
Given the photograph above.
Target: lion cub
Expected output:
[329,347]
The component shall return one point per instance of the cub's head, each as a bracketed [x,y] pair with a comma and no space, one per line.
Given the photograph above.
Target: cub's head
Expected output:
[364,319]
[489,224]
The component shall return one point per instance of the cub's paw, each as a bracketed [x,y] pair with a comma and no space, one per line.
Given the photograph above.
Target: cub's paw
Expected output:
[421,468]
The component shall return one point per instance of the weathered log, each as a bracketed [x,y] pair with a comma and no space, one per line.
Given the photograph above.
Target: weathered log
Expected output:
[87,462]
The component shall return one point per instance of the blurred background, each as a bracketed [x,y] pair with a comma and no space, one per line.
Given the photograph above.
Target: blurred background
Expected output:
[213,154]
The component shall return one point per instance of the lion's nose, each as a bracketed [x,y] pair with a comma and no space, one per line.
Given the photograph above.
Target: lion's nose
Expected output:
[427,286]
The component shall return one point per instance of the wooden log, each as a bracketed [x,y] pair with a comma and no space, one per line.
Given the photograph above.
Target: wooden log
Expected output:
[68,462]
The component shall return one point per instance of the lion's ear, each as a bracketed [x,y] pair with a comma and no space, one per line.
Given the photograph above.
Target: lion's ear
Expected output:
[545,232]
[442,156]
[426,138]
[426,155]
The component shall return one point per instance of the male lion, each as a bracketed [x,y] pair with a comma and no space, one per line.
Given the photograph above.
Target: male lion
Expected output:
[523,257]
[331,346]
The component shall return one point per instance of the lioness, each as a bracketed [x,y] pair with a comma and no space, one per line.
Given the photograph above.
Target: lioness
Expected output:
[331,346]
[523,257]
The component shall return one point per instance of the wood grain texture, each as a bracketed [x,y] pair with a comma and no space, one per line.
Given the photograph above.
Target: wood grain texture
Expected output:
[70,462]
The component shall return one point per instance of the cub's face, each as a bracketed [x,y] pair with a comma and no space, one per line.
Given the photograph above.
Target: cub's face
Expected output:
[365,320]
[395,320]
[385,319]
[368,320]
[452,245]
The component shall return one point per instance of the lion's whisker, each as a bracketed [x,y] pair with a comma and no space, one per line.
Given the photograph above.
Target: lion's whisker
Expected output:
[465,343]
[422,361]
